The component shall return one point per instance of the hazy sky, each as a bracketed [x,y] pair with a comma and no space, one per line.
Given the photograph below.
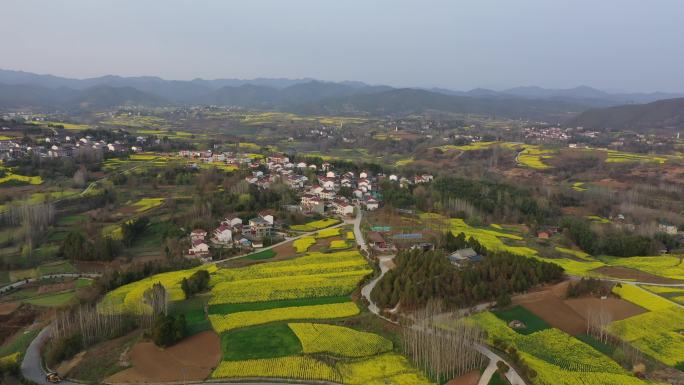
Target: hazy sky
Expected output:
[612,44]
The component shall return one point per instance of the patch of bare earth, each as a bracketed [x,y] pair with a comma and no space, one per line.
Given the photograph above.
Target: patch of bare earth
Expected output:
[471,378]
[66,366]
[668,376]
[8,308]
[617,308]
[556,313]
[285,251]
[550,304]
[56,287]
[634,274]
[192,359]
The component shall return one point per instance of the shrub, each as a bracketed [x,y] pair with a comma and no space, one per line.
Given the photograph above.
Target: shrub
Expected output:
[196,283]
[502,367]
[167,330]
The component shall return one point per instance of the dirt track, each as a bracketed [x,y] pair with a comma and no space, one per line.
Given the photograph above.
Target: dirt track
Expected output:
[193,359]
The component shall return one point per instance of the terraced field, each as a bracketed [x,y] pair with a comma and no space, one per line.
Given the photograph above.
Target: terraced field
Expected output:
[492,238]
[277,320]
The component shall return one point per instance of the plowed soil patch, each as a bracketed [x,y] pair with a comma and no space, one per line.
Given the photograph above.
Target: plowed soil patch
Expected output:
[56,287]
[8,308]
[617,308]
[634,274]
[285,251]
[556,313]
[471,378]
[192,359]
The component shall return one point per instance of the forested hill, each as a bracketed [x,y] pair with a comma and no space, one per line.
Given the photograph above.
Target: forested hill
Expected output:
[661,115]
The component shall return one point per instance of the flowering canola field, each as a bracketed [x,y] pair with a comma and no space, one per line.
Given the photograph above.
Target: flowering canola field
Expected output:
[339,341]
[558,358]
[656,333]
[289,292]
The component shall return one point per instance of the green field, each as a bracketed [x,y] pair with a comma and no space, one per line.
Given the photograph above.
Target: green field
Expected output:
[52,300]
[532,322]
[227,308]
[267,341]
[265,254]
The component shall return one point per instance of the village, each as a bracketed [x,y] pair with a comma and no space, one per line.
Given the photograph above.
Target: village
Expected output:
[325,192]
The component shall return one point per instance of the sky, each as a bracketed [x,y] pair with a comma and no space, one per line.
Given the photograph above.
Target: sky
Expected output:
[626,45]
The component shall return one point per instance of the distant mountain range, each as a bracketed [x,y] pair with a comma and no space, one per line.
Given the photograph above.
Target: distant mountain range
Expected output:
[662,115]
[22,89]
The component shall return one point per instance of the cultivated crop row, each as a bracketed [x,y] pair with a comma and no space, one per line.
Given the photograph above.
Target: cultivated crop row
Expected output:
[222,323]
[339,341]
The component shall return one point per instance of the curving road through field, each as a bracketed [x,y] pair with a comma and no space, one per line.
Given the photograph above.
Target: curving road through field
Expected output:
[23,282]
[32,368]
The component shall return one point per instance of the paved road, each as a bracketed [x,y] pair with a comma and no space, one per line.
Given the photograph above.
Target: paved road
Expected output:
[512,376]
[357,231]
[488,373]
[31,366]
[21,283]
[385,263]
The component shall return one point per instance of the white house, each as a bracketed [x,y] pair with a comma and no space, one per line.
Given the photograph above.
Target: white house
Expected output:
[371,204]
[393,177]
[268,217]
[329,184]
[363,175]
[199,248]
[232,221]
[223,235]
[198,234]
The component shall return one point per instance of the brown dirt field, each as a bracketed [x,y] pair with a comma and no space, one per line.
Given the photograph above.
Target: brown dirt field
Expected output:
[8,308]
[556,313]
[324,243]
[192,359]
[286,250]
[56,287]
[618,309]
[638,275]
[471,378]
[546,302]
[15,321]
[569,315]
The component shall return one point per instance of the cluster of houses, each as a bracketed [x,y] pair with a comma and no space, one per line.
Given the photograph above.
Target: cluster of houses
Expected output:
[320,193]
[229,158]
[232,232]
[63,146]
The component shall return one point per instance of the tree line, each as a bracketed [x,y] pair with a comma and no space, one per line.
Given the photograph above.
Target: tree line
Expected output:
[614,242]
[423,276]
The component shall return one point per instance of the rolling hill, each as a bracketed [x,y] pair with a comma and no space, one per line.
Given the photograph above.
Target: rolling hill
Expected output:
[661,115]
[22,89]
